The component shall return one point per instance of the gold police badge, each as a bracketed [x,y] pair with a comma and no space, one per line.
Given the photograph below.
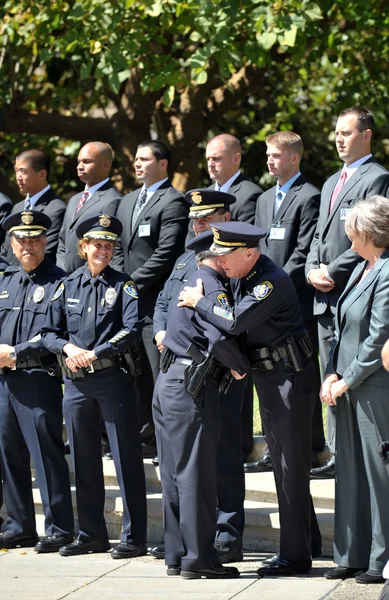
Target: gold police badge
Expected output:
[27,218]
[105,221]
[216,234]
[196,197]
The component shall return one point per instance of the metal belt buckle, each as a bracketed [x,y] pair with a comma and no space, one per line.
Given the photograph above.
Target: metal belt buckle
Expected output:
[51,372]
[90,369]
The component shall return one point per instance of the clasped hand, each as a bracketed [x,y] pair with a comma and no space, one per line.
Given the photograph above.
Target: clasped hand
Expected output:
[331,389]
[5,359]
[78,358]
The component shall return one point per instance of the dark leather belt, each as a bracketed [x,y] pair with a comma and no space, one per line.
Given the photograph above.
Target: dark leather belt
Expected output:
[31,363]
[97,365]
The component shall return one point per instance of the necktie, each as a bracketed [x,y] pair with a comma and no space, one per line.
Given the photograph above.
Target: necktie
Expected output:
[12,327]
[88,321]
[338,188]
[27,203]
[140,202]
[82,201]
[277,202]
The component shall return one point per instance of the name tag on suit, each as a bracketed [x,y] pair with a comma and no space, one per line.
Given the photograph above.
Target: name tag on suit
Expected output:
[277,233]
[343,213]
[144,230]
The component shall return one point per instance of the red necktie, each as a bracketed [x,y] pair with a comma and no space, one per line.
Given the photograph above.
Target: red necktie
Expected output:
[338,188]
[82,201]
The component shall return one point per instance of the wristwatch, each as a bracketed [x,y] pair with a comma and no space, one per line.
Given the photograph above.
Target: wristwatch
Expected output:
[12,354]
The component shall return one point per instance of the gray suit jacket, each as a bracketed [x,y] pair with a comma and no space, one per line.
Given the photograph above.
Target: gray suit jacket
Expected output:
[105,201]
[5,210]
[330,244]
[362,326]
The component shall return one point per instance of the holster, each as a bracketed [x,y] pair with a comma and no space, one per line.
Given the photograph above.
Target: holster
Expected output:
[167,358]
[225,382]
[130,361]
[196,373]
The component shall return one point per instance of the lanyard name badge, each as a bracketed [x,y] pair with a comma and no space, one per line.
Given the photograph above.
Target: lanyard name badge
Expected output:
[277,232]
[144,230]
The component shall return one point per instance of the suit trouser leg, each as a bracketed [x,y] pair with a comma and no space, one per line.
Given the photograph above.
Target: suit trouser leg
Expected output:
[287,404]
[318,439]
[192,426]
[385,591]
[145,382]
[230,471]
[326,333]
[39,415]
[247,418]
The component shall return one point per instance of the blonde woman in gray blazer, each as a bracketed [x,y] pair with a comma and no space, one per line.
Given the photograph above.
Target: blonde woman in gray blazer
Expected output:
[358,384]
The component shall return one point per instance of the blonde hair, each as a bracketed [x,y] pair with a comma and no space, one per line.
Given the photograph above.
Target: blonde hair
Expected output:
[286,140]
[369,220]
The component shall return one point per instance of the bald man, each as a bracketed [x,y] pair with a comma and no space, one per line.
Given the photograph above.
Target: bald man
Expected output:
[99,196]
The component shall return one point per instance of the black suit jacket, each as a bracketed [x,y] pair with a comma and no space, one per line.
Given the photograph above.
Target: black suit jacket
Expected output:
[149,259]
[5,210]
[298,215]
[54,208]
[105,201]
[330,244]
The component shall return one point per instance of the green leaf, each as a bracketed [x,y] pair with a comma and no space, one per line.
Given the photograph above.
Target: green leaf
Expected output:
[267,39]
[289,37]
[168,96]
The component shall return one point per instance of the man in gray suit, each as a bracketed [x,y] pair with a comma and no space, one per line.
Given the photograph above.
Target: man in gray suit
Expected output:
[330,260]
[100,196]
[5,209]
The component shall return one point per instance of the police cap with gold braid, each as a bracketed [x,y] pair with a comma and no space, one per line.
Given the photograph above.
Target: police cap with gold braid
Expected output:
[205,202]
[27,224]
[100,227]
[232,235]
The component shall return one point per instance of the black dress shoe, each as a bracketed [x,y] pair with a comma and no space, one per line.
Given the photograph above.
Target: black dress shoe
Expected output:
[155,461]
[108,455]
[78,547]
[262,465]
[52,543]
[341,573]
[327,471]
[173,570]
[8,541]
[215,572]
[157,551]
[124,550]
[67,447]
[227,554]
[316,553]
[369,578]
[282,567]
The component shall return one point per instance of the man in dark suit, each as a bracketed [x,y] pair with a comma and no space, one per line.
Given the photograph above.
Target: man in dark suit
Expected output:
[155,222]
[5,210]
[289,213]
[330,260]
[100,196]
[32,169]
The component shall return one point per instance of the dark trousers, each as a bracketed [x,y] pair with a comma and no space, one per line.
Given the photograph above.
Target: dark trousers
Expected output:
[186,432]
[326,333]
[108,394]
[230,471]
[286,406]
[385,591]
[247,419]
[318,439]
[31,425]
[145,382]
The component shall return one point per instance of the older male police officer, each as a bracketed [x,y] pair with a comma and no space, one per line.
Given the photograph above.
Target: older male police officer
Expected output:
[279,352]
[30,393]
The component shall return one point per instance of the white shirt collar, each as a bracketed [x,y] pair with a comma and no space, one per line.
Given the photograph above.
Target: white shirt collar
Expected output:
[96,187]
[154,187]
[226,186]
[34,199]
[350,170]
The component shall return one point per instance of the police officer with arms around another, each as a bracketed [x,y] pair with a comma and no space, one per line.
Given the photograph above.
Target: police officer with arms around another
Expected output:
[92,323]
[206,207]
[195,361]
[268,312]
[30,393]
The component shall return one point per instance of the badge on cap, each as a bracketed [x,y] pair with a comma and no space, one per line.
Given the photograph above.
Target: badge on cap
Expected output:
[130,289]
[4,294]
[105,221]
[223,300]
[263,290]
[110,295]
[59,292]
[196,197]
[216,234]
[27,218]
[39,294]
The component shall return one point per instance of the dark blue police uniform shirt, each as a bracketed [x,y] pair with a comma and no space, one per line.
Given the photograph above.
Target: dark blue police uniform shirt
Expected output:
[117,322]
[184,266]
[185,327]
[24,302]
[266,307]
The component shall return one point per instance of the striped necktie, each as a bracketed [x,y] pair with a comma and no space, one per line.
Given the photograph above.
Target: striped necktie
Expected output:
[140,202]
[82,200]
[338,188]
[27,203]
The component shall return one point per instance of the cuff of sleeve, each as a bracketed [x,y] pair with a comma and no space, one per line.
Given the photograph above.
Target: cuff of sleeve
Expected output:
[103,351]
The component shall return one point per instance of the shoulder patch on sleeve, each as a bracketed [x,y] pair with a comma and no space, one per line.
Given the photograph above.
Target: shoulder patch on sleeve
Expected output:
[59,292]
[263,290]
[130,289]
[223,300]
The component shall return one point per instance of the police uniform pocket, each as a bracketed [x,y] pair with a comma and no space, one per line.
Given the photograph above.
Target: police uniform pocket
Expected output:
[73,318]
[36,308]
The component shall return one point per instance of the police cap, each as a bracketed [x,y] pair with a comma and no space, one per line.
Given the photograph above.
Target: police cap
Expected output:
[27,224]
[232,235]
[205,202]
[201,243]
[100,227]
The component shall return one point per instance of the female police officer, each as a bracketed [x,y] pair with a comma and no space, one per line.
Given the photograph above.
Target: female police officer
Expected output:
[93,319]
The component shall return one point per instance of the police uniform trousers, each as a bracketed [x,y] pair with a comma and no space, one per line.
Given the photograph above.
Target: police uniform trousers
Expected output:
[361,531]
[108,393]
[326,334]
[186,432]
[230,471]
[31,425]
[247,419]
[287,403]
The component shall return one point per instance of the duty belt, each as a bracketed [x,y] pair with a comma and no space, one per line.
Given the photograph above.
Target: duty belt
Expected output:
[293,353]
[97,365]
[31,363]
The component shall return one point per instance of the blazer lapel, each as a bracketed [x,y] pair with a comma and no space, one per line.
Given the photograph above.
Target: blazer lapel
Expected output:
[290,196]
[153,200]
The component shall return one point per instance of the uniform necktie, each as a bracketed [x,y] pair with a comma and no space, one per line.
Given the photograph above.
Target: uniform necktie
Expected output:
[11,329]
[88,321]
[27,203]
[277,202]
[140,202]
[82,201]
[338,188]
